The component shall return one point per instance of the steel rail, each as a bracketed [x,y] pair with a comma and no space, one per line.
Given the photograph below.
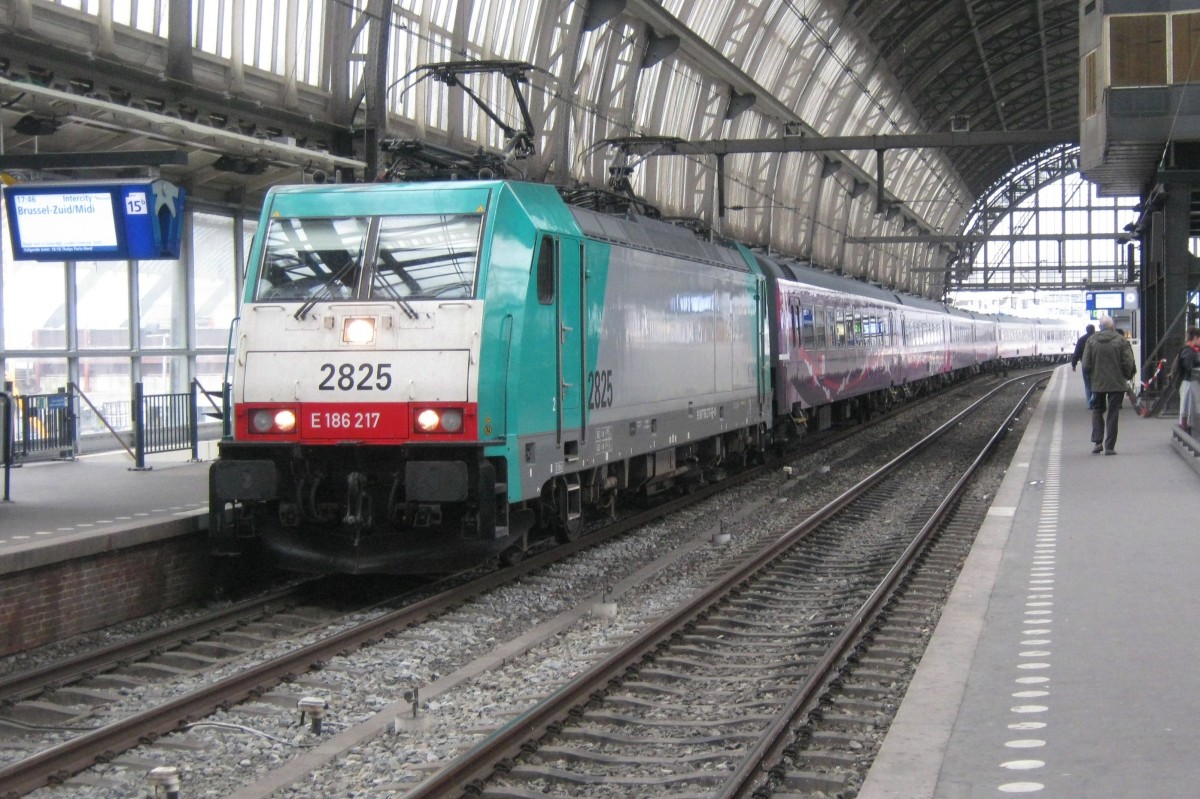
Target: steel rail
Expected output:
[497,751]
[56,764]
[752,773]
[25,684]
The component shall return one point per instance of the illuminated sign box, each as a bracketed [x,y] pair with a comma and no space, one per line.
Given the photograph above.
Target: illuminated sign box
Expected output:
[103,220]
[1105,300]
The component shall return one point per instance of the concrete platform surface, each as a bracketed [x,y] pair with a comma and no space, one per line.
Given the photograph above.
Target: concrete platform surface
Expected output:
[1065,663]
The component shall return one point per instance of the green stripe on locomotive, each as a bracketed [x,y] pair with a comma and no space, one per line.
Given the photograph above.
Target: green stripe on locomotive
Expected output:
[518,371]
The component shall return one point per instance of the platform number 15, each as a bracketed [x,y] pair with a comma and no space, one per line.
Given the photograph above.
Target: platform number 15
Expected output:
[135,203]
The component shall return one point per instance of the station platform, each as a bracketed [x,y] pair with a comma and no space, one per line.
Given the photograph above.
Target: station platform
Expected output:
[63,510]
[1065,664]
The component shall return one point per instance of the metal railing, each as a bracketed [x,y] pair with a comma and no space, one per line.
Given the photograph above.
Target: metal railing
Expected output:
[47,425]
[44,427]
[6,436]
[221,411]
[164,423]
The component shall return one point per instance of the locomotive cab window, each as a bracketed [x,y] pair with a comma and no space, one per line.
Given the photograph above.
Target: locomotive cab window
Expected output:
[427,256]
[306,258]
[545,271]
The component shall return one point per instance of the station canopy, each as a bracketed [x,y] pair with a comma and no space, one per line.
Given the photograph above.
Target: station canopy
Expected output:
[594,96]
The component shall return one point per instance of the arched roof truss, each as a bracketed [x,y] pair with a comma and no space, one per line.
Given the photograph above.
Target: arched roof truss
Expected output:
[293,89]
[1043,227]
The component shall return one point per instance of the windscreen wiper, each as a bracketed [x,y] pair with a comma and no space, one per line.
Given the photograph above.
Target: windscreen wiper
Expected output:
[323,289]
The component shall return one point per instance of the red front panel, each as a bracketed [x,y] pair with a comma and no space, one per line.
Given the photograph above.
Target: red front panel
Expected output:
[332,422]
[357,421]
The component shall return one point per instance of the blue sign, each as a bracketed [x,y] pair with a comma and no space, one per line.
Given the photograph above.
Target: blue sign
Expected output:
[104,220]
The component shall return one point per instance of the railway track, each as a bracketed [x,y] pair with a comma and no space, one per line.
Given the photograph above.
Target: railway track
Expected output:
[177,649]
[710,700]
[54,765]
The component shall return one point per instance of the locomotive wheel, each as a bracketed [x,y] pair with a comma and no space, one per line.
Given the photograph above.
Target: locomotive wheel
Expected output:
[512,556]
[568,526]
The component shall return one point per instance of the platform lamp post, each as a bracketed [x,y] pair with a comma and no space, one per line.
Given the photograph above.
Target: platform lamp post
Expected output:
[6,438]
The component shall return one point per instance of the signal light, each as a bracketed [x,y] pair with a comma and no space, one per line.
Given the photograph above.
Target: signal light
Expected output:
[266,420]
[439,420]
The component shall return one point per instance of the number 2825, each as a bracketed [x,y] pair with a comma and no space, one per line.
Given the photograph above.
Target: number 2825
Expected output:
[356,377]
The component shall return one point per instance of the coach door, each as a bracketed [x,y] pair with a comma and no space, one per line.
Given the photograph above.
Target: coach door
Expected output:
[573,381]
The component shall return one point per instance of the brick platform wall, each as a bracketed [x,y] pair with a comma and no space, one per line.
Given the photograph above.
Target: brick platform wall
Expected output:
[56,601]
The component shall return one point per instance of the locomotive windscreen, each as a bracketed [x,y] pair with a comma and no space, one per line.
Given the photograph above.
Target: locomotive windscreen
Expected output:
[412,257]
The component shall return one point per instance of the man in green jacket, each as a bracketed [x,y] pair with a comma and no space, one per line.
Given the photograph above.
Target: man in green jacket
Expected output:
[1108,357]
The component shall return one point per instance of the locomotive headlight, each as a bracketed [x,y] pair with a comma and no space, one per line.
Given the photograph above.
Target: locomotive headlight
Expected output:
[452,420]
[272,420]
[428,420]
[439,420]
[358,330]
[262,421]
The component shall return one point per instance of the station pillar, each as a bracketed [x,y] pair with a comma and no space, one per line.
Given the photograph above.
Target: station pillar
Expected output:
[1170,273]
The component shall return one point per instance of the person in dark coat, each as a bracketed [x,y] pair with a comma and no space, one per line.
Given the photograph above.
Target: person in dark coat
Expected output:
[1080,343]
[1109,359]
[1187,360]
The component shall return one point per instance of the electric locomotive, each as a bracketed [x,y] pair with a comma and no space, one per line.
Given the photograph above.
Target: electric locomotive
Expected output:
[427,372]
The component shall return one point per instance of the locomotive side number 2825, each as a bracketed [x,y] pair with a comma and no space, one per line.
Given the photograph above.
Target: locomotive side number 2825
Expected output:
[600,389]
[356,377]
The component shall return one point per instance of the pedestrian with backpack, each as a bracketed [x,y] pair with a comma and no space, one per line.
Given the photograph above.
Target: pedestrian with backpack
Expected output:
[1108,357]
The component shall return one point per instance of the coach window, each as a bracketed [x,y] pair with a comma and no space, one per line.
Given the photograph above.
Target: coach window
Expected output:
[545,271]
[806,319]
[821,325]
[839,334]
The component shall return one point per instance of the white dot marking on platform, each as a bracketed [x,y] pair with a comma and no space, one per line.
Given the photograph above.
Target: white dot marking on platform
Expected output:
[1037,612]
[1025,726]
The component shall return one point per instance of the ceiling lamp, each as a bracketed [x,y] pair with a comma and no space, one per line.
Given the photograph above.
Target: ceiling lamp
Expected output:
[30,125]
[739,103]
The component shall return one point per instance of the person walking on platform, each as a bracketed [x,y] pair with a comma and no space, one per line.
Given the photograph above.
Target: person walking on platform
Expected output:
[1108,357]
[1187,360]
[1080,343]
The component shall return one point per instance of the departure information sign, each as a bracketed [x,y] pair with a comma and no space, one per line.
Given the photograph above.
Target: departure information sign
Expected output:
[116,220]
[1125,299]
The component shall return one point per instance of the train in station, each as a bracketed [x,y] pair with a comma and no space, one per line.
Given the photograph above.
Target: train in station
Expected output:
[428,375]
